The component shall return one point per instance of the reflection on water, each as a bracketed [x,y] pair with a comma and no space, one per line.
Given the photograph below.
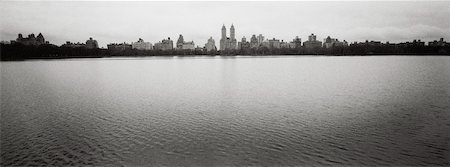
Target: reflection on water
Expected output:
[227,111]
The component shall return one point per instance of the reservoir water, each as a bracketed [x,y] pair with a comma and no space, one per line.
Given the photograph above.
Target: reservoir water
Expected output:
[381,110]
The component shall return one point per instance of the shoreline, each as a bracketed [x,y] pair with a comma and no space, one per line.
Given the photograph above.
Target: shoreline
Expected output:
[217,56]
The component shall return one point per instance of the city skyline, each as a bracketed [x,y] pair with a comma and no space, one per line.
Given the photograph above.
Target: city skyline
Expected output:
[104,21]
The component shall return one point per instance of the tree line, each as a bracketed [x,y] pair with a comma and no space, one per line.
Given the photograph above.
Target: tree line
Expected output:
[19,51]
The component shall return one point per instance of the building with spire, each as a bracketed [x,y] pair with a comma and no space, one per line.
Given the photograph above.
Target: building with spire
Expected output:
[210,45]
[228,43]
[180,42]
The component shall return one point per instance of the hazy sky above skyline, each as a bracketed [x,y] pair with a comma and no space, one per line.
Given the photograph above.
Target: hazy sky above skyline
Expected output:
[125,21]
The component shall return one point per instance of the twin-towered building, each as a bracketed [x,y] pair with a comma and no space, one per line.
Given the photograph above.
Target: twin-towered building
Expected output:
[228,43]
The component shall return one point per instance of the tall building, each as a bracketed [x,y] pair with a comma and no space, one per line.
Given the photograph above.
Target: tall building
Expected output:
[31,39]
[244,44]
[329,42]
[254,43]
[260,38]
[297,42]
[91,44]
[312,42]
[210,45]
[181,44]
[165,44]
[228,42]
[274,43]
[312,37]
[332,42]
[141,45]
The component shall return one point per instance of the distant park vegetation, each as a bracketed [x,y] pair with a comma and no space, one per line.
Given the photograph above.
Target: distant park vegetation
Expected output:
[17,51]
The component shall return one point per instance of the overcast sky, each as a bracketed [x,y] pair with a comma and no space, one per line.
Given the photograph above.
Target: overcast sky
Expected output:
[114,22]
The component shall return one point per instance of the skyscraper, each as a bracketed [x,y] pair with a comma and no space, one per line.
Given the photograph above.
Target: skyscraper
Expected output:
[260,38]
[180,42]
[312,42]
[244,44]
[232,35]
[254,42]
[297,42]
[210,45]
[228,42]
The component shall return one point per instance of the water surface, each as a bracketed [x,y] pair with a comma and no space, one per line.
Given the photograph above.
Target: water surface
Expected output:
[384,110]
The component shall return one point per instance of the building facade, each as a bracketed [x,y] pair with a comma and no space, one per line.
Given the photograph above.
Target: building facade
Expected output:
[165,44]
[116,47]
[265,44]
[228,43]
[210,45]
[332,42]
[441,42]
[181,44]
[244,44]
[69,44]
[312,42]
[91,44]
[254,43]
[141,45]
[287,45]
[297,42]
[188,45]
[260,38]
[31,39]
[274,43]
